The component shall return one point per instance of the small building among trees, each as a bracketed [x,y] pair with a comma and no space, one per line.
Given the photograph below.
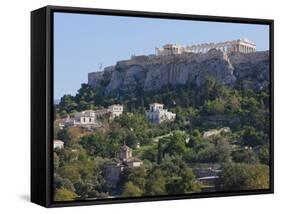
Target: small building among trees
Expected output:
[114,169]
[58,144]
[157,114]
[90,118]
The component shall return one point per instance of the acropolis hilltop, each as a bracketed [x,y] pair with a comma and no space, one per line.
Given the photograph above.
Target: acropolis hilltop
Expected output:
[239,45]
[175,65]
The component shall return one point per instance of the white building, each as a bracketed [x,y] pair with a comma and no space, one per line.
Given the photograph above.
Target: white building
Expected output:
[99,113]
[115,110]
[91,117]
[157,114]
[170,49]
[58,144]
[84,118]
[239,45]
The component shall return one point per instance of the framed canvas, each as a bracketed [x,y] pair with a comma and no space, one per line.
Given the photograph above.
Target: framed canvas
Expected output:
[131,106]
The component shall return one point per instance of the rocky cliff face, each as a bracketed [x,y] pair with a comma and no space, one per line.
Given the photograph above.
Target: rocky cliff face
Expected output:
[153,72]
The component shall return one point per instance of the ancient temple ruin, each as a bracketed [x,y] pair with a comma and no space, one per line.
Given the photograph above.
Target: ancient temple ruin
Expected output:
[239,45]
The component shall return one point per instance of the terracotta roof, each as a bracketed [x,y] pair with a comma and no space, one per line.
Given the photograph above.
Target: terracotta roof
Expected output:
[134,159]
[115,162]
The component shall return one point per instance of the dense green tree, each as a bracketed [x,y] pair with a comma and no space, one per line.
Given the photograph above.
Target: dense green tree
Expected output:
[78,170]
[138,177]
[97,144]
[245,156]
[64,183]
[56,161]
[150,154]
[252,137]
[156,183]
[185,183]
[177,144]
[172,166]
[207,154]
[160,151]
[195,138]
[64,136]
[85,93]
[69,136]
[223,150]
[218,151]
[191,113]
[56,129]
[214,107]
[133,181]
[131,139]
[235,177]
[131,190]
[64,195]
[67,104]
[136,122]
[263,154]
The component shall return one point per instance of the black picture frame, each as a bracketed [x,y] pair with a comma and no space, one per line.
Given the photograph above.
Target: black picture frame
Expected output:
[42,102]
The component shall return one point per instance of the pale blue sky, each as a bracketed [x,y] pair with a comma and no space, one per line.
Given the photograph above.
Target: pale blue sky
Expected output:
[82,42]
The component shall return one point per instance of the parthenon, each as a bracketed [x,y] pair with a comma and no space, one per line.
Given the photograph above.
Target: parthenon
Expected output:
[239,45]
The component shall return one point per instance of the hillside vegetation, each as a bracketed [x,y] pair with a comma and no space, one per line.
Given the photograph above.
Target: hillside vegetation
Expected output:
[171,151]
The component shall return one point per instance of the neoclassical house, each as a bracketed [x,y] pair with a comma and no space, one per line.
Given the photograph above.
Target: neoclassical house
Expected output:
[239,45]
[84,118]
[115,110]
[91,117]
[157,114]
[114,169]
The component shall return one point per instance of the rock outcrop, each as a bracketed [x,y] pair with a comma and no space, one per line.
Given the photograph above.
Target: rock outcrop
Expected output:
[153,72]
